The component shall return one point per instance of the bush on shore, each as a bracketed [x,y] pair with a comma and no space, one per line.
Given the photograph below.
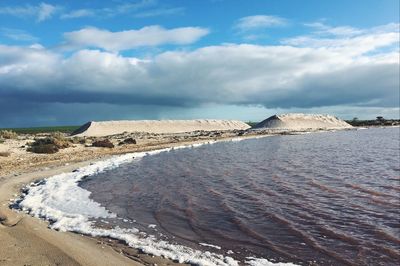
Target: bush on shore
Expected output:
[8,134]
[48,145]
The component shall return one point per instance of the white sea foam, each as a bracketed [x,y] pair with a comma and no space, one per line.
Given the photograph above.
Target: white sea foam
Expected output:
[60,200]
[263,262]
[209,245]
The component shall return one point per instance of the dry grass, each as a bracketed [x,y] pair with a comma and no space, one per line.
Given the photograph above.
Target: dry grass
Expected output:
[5,154]
[78,140]
[8,134]
[49,145]
[58,135]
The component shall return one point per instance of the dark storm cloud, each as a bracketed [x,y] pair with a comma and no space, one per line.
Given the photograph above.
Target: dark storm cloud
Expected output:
[355,71]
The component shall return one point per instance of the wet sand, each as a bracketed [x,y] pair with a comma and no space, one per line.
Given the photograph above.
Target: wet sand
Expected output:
[28,241]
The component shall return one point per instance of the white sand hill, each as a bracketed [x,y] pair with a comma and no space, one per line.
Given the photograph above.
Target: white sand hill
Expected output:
[302,122]
[106,128]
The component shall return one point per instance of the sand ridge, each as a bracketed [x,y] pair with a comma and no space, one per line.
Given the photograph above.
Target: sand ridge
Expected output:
[106,128]
[302,122]
[41,246]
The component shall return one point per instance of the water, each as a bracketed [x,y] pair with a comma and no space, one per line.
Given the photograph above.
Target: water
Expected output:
[325,198]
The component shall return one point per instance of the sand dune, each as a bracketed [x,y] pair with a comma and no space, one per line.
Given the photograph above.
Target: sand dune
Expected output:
[302,122]
[106,128]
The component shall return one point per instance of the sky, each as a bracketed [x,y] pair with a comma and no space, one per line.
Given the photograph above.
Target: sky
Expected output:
[69,62]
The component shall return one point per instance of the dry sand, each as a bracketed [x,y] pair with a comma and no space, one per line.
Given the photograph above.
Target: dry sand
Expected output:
[302,122]
[28,241]
[106,128]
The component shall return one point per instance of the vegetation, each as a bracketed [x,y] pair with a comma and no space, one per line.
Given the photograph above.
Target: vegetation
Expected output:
[36,130]
[8,134]
[48,145]
[78,140]
[58,135]
[379,121]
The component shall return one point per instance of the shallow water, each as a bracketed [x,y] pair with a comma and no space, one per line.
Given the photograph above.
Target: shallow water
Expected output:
[326,198]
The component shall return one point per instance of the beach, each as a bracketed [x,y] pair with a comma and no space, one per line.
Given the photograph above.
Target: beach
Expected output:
[41,245]
[201,133]
[29,241]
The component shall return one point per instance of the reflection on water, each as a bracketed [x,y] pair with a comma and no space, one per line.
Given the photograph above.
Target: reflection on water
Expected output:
[325,198]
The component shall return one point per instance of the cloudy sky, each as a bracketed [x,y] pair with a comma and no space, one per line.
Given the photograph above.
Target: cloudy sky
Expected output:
[68,62]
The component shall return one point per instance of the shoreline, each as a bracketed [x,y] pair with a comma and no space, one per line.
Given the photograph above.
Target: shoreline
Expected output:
[31,242]
[40,245]
[23,232]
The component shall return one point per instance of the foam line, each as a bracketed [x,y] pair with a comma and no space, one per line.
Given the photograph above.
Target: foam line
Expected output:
[68,207]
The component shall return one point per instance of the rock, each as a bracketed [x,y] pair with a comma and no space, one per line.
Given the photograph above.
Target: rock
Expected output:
[103,143]
[127,141]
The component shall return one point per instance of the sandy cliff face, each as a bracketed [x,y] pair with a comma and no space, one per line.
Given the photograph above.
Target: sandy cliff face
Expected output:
[106,128]
[302,122]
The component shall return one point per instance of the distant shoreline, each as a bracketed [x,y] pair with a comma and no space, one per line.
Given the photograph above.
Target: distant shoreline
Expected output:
[71,128]
[374,123]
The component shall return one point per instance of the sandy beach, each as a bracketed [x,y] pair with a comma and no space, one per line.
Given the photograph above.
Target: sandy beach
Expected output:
[204,133]
[30,242]
[31,237]
[18,167]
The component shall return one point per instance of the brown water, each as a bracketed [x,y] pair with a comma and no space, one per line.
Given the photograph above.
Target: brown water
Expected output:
[324,198]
